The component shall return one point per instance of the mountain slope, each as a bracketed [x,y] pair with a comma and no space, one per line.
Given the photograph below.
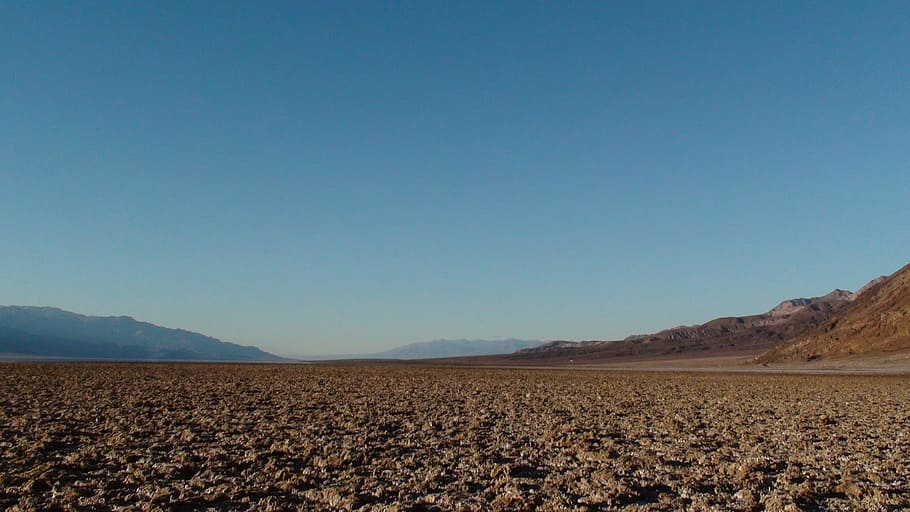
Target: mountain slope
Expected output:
[876,322]
[53,332]
[751,334]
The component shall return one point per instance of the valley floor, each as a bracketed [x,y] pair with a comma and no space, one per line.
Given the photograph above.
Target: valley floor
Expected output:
[735,362]
[316,437]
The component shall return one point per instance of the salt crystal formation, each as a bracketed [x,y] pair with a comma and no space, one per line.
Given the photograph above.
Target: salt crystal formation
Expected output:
[287,437]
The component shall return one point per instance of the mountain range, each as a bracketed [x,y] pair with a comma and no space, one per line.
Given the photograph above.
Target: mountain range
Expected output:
[722,336]
[46,332]
[440,348]
[841,323]
[875,321]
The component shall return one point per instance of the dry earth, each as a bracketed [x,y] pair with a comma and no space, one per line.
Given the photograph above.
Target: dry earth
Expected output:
[298,437]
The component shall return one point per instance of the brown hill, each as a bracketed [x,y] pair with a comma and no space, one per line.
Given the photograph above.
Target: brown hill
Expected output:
[745,335]
[877,322]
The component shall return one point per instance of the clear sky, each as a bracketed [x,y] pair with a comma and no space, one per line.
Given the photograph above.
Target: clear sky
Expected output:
[336,177]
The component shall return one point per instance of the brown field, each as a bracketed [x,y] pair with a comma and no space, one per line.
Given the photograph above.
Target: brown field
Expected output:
[297,437]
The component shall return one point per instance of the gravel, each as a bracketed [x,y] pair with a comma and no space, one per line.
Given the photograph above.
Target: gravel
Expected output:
[305,437]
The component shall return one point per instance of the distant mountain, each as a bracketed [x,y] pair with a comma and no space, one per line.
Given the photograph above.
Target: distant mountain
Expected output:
[722,336]
[876,323]
[456,348]
[440,348]
[52,332]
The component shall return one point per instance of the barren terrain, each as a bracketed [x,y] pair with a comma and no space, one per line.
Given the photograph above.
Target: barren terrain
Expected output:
[876,324]
[307,437]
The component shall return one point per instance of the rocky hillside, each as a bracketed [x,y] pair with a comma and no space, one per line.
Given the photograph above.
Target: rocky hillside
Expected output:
[788,316]
[750,334]
[877,322]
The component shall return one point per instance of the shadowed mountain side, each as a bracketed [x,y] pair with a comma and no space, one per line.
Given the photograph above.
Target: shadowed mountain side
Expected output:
[15,342]
[722,337]
[876,323]
[52,332]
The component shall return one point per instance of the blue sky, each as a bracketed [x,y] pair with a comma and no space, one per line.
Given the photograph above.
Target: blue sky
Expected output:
[345,177]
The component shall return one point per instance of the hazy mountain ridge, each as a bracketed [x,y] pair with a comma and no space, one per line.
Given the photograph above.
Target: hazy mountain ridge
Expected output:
[454,348]
[53,332]
[439,348]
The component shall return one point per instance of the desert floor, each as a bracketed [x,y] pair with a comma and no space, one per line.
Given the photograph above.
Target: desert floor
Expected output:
[308,437]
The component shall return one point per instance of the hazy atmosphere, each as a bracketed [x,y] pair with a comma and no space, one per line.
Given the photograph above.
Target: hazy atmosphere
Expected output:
[329,178]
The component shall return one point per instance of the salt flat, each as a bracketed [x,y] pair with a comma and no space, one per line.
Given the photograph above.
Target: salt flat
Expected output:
[312,437]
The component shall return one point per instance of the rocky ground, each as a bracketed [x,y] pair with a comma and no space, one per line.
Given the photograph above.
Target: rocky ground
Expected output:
[298,437]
